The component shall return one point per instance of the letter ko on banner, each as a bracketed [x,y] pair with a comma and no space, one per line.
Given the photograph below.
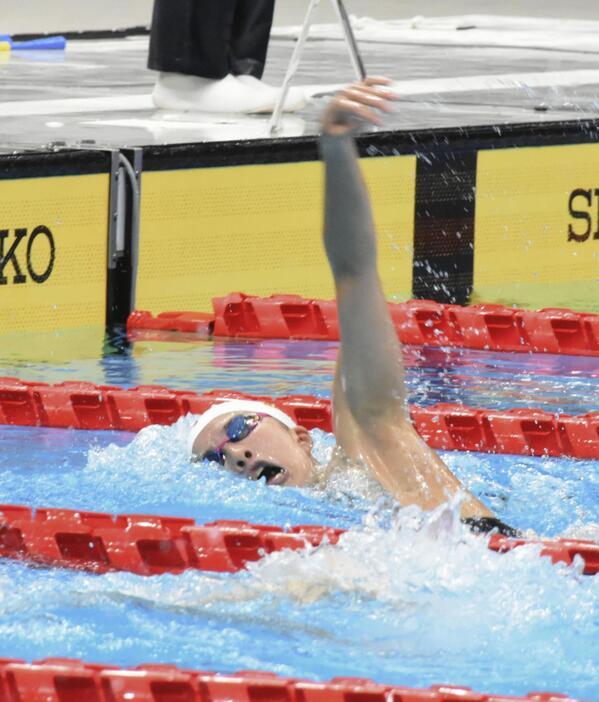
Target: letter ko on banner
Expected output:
[537,227]
[53,246]
[11,255]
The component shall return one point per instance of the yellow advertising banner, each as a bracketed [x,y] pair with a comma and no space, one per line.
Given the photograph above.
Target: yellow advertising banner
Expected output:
[53,252]
[536,240]
[257,229]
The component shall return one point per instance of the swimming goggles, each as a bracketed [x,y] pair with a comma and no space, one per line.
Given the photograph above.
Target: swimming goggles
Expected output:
[236,429]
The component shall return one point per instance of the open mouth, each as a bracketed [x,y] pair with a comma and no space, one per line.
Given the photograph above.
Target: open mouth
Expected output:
[272,474]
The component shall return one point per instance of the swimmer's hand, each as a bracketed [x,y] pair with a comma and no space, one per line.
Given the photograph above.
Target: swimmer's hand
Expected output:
[358,104]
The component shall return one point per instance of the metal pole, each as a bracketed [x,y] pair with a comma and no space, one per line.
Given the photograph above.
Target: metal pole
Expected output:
[134,183]
[350,37]
[274,125]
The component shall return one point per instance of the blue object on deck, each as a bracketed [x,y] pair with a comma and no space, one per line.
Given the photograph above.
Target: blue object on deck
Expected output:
[43,43]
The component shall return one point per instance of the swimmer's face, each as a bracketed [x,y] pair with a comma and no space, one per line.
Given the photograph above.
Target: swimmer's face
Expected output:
[270,451]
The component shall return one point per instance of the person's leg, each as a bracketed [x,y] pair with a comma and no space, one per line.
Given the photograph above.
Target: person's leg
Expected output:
[190,45]
[250,35]
[192,37]
[249,45]
[195,44]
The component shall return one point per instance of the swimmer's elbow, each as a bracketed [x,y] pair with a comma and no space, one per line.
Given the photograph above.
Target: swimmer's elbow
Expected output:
[370,409]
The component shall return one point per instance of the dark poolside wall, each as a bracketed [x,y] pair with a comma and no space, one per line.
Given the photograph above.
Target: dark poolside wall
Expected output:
[493,214]
[504,214]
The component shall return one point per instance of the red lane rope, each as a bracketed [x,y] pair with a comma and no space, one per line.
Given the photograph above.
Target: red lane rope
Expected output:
[418,322]
[153,545]
[444,426]
[70,680]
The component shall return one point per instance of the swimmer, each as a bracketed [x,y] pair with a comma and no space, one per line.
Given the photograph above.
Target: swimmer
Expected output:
[370,416]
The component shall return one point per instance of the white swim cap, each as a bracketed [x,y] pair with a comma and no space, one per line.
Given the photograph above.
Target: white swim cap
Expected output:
[237,406]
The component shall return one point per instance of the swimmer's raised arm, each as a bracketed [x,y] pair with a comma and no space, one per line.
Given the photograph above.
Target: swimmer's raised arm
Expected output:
[370,416]
[371,362]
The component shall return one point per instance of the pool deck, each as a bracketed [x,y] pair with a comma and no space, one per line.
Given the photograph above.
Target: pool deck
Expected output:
[451,72]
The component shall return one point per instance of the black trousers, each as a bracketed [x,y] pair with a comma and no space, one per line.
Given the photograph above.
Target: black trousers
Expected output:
[210,38]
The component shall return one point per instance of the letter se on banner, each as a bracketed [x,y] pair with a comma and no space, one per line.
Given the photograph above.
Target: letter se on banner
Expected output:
[584,205]
[534,211]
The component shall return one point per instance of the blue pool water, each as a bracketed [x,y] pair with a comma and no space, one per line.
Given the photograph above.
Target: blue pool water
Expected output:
[393,603]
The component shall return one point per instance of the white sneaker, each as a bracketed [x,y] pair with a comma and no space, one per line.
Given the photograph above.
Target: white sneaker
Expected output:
[295,100]
[176,91]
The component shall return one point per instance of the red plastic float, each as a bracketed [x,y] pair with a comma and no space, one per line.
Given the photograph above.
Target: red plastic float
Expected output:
[83,405]
[198,323]
[528,432]
[143,544]
[418,322]
[443,426]
[152,545]
[276,317]
[71,680]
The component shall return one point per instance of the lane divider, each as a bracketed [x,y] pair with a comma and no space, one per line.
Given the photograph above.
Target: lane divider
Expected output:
[451,427]
[82,405]
[153,545]
[417,322]
[71,680]
[143,544]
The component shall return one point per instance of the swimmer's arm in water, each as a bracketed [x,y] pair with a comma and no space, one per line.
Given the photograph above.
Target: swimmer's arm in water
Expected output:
[369,398]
